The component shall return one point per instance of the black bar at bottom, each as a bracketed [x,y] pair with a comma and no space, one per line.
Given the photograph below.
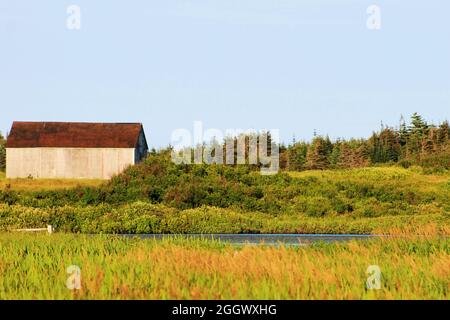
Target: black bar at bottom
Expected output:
[224,309]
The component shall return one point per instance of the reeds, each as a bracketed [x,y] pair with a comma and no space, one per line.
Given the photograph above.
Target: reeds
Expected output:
[34,267]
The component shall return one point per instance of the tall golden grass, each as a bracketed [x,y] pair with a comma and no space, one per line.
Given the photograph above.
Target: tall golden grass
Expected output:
[25,184]
[412,231]
[34,267]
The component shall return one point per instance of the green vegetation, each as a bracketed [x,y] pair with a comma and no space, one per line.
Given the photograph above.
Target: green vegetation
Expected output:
[35,267]
[408,196]
[418,143]
[142,217]
[158,196]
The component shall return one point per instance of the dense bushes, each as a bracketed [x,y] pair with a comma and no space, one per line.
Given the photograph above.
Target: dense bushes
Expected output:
[315,193]
[158,196]
[145,218]
[364,192]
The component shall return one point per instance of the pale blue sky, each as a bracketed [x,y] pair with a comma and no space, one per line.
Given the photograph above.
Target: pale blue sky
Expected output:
[290,65]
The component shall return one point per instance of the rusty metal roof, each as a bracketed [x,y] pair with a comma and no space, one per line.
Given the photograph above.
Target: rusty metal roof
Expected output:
[73,135]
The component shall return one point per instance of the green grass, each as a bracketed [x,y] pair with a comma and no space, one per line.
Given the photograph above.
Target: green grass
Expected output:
[34,267]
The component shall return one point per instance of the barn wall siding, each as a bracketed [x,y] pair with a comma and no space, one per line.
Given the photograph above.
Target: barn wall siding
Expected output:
[68,163]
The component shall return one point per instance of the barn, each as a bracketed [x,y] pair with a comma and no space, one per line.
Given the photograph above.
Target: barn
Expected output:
[73,150]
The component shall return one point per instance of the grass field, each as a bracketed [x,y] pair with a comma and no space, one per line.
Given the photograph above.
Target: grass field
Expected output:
[384,200]
[412,177]
[44,184]
[35,267]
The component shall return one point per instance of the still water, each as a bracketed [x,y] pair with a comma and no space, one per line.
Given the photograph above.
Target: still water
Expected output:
[267,239]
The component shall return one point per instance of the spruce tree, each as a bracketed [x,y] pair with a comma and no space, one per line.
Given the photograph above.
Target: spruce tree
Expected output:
[297,156]
[443,134]
[335,154]
[318,152]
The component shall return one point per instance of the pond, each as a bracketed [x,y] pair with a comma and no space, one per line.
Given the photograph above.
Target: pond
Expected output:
[267,239]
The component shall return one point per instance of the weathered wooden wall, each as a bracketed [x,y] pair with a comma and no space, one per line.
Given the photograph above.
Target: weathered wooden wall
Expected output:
[68,163]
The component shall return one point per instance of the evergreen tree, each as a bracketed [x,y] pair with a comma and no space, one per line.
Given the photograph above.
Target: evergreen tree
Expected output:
[361,155]
[318,152]
[416,133]
[296,154]
[443,134]
[335,154]
[345,157]
[403,132]
[284,159]
[390,145]
[418,124]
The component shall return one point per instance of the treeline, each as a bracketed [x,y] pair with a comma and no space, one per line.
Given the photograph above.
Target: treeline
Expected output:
[416,143]
[413,143]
